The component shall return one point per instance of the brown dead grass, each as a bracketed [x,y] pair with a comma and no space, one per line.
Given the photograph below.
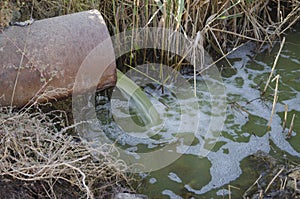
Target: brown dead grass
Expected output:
[34,149]
[224,24]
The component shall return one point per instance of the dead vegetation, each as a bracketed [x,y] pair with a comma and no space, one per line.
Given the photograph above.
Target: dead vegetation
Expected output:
[224,24]
[39,158]
[277,179]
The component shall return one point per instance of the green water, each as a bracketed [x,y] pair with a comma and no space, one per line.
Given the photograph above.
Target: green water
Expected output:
[244,131]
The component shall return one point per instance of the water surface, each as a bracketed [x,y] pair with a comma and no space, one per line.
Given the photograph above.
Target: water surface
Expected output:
[244,133]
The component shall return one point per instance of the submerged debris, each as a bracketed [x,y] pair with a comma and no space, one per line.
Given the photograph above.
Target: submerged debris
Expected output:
[277,180]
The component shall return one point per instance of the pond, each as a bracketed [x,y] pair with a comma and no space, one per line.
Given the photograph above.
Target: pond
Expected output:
[245,130]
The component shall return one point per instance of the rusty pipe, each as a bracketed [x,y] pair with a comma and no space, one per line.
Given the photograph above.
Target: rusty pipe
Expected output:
[47,54]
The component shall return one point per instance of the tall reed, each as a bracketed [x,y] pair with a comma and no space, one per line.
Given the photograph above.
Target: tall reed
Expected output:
[223,24]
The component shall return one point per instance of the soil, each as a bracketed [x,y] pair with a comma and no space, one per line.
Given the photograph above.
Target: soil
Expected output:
[13,188]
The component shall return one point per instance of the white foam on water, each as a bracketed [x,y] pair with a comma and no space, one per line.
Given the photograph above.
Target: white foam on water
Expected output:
[174,177]
[225,167]
[171,194]
[222,192]
[152,180]
[294,104]
[175,113]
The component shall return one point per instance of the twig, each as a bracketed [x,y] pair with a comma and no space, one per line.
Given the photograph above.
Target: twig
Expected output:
[229,190]
[236,34]
[269,185]
[285,117]
[291,126]
[274,100]
[274,65]
[89,193]
[256,182]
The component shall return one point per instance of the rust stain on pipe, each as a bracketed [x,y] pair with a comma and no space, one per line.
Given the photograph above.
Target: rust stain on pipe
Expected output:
[48,53]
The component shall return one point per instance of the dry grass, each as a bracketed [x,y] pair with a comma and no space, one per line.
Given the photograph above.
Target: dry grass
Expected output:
[33,148]
[224,24]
